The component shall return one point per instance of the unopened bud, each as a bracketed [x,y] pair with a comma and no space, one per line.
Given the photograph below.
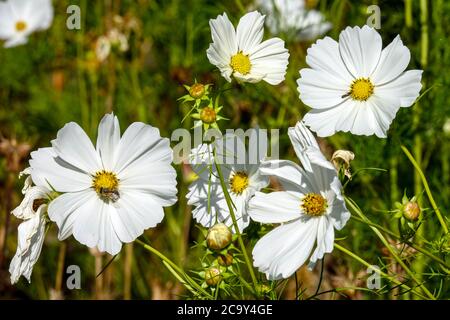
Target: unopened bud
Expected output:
[218,237]
[411,210]
[213,276]
[197,91]
[225,260]
[208,115]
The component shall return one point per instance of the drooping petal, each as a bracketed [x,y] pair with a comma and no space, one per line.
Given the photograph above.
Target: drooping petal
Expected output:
[25,210]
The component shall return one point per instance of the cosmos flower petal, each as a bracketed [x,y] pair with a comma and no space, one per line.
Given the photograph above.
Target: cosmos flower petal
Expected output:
[275,207]
[322,56]
[406,88]
[66,209]
[74,146]
[250,31]
[50,171]
[25,210]
[302,138]
[285,249]
[319,91]
[270,59]
[394,60]
[325,241]
[141,143]
[290,175]
[134,213]
[107,140]
[360,49]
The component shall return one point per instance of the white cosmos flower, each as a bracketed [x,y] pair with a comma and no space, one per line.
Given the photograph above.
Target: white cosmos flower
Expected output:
[111,193]
[308,209]
[20,18]
[293,16]
[353,85]
[31,232]
[242,53]
[241,176]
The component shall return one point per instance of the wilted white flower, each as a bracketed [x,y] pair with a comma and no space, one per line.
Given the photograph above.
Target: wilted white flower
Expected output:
[20,18]
[242,53]
[31,232]
[353,85]
[111,193]
[293,16]
[308,209]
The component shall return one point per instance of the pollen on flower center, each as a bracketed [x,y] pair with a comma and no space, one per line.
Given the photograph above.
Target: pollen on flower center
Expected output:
[106,185]
[21,26]
[361,89]
[240,63]
[239,182]
[314,204]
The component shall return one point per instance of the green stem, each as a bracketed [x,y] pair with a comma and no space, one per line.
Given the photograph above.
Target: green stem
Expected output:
[236,228]
[427,189]
[191,283]
[412,245]
[384,274]
[399,260]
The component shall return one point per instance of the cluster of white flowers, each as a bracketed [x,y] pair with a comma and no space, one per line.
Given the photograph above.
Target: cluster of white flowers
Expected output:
[108,194]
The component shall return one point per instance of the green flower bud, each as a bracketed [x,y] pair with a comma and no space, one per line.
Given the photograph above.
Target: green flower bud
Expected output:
[197,91]
[213,276]
[225,260]
[411,211]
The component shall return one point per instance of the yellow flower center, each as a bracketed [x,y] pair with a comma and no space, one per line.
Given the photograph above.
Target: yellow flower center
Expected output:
[197,90]
[314,204]
[208,115]
[240,63]
[106,185]
[361,89]
[239,182]
[21,26]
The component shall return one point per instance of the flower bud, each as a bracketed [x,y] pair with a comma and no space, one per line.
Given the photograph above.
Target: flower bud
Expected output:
[213,276]
[411,210]
[208,115]
[225,260]
[218,237]
[197,91]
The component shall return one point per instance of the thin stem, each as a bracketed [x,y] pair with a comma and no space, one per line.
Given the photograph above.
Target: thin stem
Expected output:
[388,246]
[384,274]
[427,188]
[398,237]
[236,228]
[174,267]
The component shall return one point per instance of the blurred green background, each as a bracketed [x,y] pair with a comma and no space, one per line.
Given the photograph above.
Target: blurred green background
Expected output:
[57,78]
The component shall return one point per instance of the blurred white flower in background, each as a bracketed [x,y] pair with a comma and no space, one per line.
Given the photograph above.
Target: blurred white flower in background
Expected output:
[294,17]
[20,18]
